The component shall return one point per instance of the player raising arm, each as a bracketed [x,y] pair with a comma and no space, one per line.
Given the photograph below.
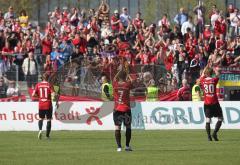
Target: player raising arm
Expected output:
[122,85]
[212,107]
[44,92]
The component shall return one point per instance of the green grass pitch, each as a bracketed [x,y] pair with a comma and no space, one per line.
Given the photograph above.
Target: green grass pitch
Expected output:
[163,147]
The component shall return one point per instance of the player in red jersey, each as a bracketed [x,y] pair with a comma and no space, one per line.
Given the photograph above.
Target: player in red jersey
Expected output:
[122,85]
[212,107]
[44,92]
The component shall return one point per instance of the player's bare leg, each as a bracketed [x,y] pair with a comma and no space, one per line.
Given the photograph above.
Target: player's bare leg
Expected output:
[48,128]
[217,127]
[128,138]
[208,128]
[40,124]
[118,137]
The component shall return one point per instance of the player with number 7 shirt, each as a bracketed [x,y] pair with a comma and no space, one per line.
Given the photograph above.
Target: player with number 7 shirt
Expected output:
[122,84]
[44,91]
[212,107]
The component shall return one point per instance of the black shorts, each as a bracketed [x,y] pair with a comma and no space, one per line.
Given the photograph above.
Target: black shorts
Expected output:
[122,117]
[45,113]
[214,110]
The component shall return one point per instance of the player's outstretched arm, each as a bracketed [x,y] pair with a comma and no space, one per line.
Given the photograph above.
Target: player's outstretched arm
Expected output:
[204,70]
[34,94]
[217,72]
[118,73]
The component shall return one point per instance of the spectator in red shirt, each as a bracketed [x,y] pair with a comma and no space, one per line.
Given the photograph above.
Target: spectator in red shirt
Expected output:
[221,43]
[227,59]
[207,32]
[115,22]
[184,93]
[137,22]
[220,26]
[164,22]
[46,45]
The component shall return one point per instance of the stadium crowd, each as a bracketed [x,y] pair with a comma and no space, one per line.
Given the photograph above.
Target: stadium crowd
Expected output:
[100,40]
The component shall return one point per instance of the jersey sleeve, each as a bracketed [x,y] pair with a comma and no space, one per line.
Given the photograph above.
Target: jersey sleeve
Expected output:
[202,80]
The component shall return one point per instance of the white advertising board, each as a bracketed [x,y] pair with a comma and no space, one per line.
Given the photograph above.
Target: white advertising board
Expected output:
[23,116]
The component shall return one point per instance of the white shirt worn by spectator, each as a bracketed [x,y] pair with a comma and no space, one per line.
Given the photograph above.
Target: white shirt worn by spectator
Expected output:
[214,18]
[234,19]
[186,25]
[9,15]
[105,32]
[163,22]
[32,67]
[125,18]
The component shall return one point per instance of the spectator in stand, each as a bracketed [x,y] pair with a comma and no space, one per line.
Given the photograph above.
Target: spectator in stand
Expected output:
[188,24]
[236,47]
[221,43]
[214,17]
[10,14]
[12,89]
[48,67]
[229,11]
[74,17]
[207,32]
[30,70]
[199,21]
[2,39]
[234,23]
[125,17]
[184,93]
[3,88]
[227,59]
[137,22]
[92,41]
[164,22]
[7,50]
[23,19]
[66,49]
[46,45]
[181,17]
[213,11]
[181,58]
[105,31]
[220,27]
[115,22]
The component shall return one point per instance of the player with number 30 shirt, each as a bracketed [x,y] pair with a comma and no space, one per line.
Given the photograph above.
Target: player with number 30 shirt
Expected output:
[212,107]
[209,86]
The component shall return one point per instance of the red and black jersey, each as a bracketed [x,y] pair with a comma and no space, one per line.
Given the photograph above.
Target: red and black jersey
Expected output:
[209,86]
[122,96]
[44,90]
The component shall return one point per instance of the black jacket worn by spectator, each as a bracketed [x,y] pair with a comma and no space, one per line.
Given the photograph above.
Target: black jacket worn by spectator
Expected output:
[3,91]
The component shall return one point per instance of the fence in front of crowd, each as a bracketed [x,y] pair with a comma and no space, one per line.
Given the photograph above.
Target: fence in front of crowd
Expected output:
[84,79]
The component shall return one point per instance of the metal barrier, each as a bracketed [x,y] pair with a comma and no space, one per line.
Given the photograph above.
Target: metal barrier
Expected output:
[84,80]
[77,79]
